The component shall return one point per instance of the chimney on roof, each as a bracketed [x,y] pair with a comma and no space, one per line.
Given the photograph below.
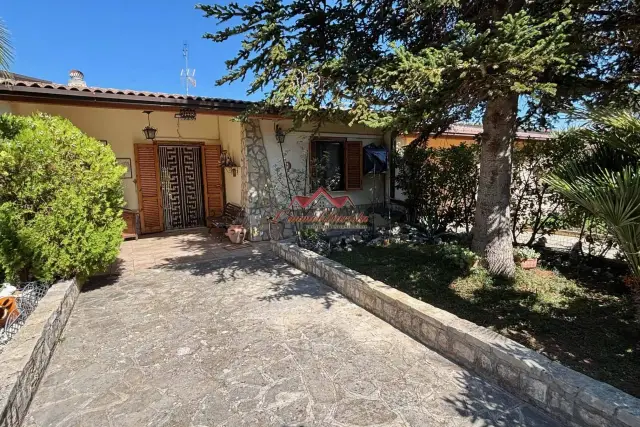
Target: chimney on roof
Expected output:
[76,79]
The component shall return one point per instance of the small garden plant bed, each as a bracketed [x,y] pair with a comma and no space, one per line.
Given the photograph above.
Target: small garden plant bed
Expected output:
[579,315]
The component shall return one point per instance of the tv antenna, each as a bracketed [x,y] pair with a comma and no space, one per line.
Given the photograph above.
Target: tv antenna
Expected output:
[187,75]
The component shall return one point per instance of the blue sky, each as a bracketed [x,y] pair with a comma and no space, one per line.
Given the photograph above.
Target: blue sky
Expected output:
[125,44]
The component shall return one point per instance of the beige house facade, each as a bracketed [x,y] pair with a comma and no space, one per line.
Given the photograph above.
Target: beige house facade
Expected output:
[179,178]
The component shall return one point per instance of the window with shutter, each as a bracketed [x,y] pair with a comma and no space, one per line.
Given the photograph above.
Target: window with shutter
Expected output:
[353,165]
[148,182]
[335,164]
[329,165]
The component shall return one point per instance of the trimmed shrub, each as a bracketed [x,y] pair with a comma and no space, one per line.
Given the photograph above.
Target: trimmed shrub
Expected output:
[60,200]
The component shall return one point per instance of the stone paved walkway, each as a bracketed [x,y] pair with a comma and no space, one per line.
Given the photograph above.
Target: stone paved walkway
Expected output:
[250,341]
[177,247]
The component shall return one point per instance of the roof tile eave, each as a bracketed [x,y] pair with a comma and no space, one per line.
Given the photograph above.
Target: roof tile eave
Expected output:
[473,130]
[113,91]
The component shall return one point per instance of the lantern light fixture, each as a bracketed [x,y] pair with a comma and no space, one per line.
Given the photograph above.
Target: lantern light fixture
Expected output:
[280,135]
[149,131]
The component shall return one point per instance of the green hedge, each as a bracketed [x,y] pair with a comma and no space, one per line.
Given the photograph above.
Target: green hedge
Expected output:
[60,200]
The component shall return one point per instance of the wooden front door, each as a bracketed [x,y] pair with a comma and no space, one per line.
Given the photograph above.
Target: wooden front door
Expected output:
[200,191]
[182,186]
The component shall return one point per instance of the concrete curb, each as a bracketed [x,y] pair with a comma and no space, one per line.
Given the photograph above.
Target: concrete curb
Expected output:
[26,357]
[573,397]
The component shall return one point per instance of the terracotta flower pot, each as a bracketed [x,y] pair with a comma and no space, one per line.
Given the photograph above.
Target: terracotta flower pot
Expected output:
[236,233]
[8,310]
[528,264]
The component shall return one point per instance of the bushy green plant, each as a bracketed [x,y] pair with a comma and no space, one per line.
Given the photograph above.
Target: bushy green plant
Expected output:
[311,234]
[605,179]
[440,184]
[60,200]
[315,240]
[460,256]
[523,253]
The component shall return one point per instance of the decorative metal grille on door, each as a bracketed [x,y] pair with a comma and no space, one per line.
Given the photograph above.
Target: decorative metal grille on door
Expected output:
[181,183]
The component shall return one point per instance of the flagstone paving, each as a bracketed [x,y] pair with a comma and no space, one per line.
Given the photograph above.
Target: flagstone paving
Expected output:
[250,341]
[175,247]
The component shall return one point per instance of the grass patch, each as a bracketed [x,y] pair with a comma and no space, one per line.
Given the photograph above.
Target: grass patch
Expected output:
[577,316]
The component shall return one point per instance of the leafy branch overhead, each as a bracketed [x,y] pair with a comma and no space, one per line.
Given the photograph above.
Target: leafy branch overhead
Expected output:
[416,65]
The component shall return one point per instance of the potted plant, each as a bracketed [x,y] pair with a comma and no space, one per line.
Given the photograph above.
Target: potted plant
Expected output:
[8,310]
[236,233]
[527,257]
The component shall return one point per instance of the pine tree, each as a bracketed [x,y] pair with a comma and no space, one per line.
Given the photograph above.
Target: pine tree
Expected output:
[422,65]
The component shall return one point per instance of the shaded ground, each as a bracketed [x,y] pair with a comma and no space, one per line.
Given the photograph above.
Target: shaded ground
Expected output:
[250,340]
[175,247]
[581,315]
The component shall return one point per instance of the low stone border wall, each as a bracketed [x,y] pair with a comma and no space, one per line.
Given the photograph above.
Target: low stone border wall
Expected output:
[568,395]
[27,355]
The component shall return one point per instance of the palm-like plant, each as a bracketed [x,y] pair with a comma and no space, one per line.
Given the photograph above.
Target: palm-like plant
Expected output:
[6,52]
[606,180]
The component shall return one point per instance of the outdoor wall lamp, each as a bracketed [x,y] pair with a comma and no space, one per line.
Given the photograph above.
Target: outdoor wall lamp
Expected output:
[149,132]
[280,135]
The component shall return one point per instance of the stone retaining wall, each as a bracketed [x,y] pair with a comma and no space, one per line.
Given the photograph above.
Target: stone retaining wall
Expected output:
[27,355]
[568,395]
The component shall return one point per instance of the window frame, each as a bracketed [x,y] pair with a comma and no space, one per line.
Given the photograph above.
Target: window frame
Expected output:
[330,140]
[344,141]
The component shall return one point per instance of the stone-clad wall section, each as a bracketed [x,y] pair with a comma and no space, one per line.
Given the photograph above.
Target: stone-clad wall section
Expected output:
[257,191]
[569,395]
[25,358]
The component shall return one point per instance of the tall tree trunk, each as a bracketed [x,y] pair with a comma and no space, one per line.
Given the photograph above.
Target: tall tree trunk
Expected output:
[492,235]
